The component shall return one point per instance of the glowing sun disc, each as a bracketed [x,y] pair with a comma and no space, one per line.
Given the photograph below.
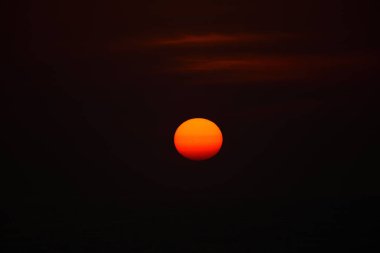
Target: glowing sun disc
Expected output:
[198,139]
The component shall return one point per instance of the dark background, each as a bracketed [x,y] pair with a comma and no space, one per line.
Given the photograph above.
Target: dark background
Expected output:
[94,90]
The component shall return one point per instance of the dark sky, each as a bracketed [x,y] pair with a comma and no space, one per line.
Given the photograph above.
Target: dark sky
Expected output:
[94,91]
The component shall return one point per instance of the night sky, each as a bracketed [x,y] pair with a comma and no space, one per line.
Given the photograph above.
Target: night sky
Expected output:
[93,92]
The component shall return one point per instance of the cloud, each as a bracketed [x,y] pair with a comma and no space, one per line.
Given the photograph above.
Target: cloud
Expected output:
[246,57]
[272,68]
[213,39]
[197,40]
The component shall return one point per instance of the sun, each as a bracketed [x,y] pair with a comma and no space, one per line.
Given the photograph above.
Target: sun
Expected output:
[198,139]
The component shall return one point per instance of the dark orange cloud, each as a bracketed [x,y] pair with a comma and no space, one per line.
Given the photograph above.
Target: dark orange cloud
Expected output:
[274,68]
[214,38]
[250,57]
[198,40]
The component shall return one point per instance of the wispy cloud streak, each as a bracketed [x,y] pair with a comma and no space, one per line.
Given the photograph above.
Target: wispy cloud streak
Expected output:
[198,40]
[245,57]
[214,39]
[274,68]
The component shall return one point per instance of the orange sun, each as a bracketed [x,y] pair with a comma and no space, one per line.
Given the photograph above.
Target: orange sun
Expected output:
[198,139]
